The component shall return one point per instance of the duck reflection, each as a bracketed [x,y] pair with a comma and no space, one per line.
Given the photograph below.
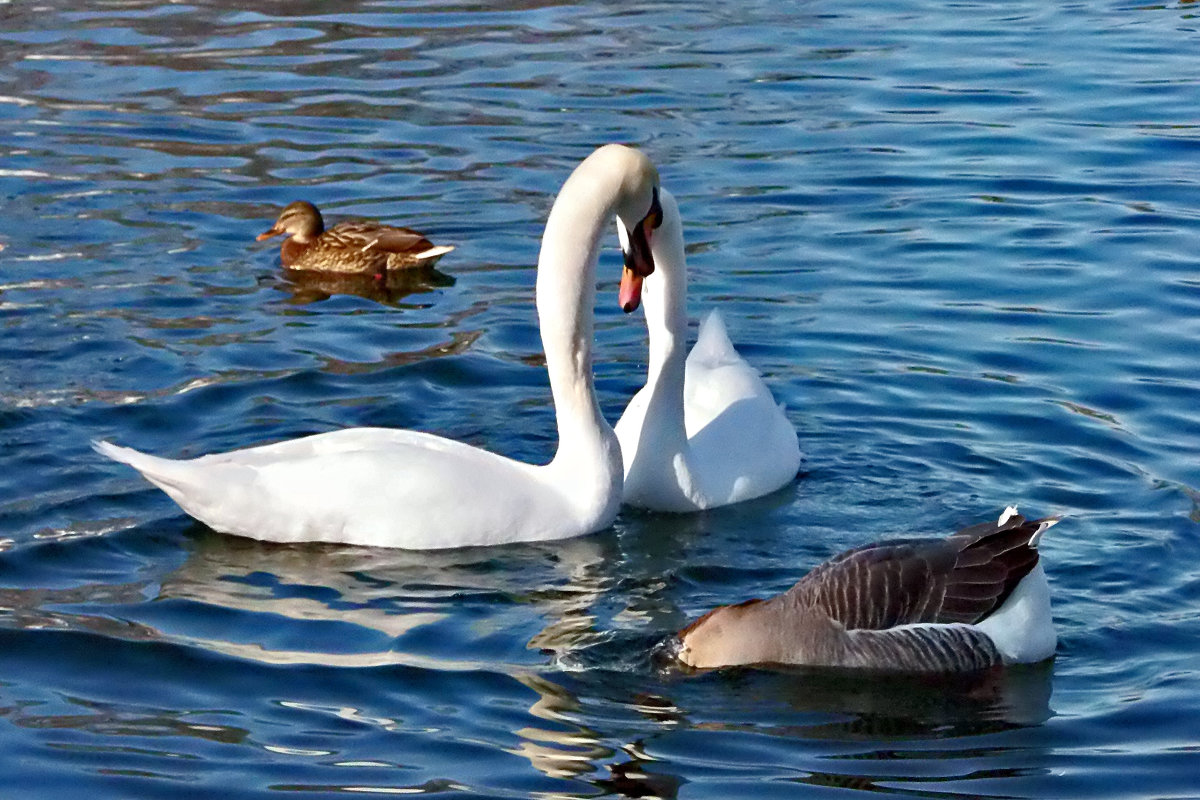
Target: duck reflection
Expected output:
[307,286]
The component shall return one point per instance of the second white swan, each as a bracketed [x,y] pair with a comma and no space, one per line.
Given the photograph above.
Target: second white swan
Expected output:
[705,431]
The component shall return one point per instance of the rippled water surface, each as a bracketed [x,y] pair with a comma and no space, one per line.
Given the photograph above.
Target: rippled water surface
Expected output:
[960,240]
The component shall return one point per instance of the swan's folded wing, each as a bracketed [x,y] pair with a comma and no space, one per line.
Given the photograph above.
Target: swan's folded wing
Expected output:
[718,377]
[713,346]
[376,487]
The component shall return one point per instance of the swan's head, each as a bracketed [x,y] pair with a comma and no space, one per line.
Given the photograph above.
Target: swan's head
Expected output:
[300,219]
[639,214]
[639,260]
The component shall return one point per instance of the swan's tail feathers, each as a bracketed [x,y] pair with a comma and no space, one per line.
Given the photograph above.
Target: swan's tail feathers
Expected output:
[176,478]
[213,492]
[712,343]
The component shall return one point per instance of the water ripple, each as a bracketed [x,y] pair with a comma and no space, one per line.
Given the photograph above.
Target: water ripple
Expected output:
[957,241]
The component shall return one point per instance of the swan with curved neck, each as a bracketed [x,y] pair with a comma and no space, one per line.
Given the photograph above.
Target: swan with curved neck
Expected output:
[400,488]
[705,430]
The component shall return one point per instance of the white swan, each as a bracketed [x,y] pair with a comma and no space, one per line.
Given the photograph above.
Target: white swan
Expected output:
[399,488]
[704,432]
[974,600]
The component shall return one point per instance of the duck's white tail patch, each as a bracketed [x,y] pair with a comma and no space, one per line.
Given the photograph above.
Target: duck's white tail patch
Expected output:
[435,251]
[1008,514]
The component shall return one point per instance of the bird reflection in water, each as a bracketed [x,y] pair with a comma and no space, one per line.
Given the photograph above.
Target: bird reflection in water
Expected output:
[867,705]
[387,288]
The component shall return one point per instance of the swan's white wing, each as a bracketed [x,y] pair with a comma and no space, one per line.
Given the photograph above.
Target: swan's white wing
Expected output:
[717,377]
[740,444]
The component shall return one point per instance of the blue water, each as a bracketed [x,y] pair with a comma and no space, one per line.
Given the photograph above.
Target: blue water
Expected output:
[959,240]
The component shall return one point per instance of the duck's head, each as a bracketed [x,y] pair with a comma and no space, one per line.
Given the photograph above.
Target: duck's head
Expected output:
[301,220]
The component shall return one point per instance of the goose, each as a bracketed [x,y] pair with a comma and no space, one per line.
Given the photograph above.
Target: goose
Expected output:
[400,488]
[703,432]
[359,247]
[974,600]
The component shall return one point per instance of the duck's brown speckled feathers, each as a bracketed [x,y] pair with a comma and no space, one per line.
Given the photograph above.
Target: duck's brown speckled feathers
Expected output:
[906,605]
[349,247]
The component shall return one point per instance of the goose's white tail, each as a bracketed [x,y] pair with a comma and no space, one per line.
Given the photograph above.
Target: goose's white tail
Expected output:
[1022,629]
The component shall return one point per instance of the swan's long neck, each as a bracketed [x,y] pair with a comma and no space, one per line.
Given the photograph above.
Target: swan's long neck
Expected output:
[664,298]
[566,294]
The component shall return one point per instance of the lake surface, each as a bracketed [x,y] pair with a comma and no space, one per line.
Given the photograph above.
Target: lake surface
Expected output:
[960,241]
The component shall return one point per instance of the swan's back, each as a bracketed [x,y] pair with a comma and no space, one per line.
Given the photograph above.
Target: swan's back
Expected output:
[734,426]
[717,377]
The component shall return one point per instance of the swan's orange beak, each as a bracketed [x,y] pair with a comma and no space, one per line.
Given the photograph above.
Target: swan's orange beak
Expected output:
[639,261]
[630,295]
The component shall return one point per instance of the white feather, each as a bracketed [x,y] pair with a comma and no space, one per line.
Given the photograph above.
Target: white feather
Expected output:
[1022,629]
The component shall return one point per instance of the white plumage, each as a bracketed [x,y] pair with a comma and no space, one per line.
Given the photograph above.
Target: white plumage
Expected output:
[704,431]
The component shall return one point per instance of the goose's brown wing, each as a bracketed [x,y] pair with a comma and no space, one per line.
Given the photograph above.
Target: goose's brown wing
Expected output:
[962,578]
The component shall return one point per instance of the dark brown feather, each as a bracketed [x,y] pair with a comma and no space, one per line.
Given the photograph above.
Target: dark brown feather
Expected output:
[962,578]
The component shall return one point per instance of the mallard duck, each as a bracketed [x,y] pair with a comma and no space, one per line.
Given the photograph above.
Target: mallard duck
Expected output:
[350,247]
[974,600]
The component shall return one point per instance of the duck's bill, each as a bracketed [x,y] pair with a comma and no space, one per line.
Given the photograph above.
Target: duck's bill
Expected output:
[630,294]
[267,234]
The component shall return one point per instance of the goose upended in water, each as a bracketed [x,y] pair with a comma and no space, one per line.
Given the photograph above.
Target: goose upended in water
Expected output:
[705,431]
[974,600]
[400,488]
